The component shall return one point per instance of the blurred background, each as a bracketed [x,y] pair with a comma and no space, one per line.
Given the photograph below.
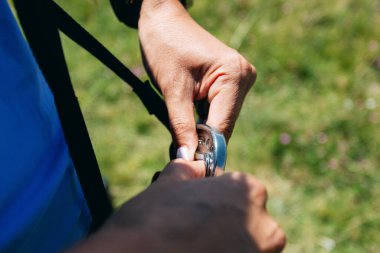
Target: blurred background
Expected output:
[309,128]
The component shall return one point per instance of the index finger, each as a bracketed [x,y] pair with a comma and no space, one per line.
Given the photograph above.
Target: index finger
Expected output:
[226,96]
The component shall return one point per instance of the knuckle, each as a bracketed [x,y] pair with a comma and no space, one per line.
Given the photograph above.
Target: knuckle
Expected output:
[249,74]
[254,185]
[236,63]
[235,179]
[246,68]
[243,71]
[281,240]
[235,175]
[172,93]
[232,178]
[252,75]
[181,125]
[260,189]
[274,240]
[260,192]
[277,239]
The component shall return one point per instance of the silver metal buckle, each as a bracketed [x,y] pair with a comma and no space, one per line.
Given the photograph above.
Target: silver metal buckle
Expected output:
[212,149]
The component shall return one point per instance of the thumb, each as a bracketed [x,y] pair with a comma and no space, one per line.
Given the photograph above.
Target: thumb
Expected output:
[180,169]
[182,124]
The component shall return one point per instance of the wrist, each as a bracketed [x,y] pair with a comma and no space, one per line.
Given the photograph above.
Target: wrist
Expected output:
[159,11]
[129,11]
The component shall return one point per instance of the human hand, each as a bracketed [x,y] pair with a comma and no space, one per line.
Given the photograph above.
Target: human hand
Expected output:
[176,214]
[190,65]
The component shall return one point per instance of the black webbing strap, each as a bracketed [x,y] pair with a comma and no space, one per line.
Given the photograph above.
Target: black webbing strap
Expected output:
[41,31]
[151,100]
[41,21]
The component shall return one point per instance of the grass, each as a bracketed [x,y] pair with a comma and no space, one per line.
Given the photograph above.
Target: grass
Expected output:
[309,129]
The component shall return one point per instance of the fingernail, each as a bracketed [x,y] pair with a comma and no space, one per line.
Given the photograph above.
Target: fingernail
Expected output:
[183,152]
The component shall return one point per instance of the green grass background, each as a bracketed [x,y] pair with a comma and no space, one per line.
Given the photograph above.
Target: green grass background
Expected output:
[309,128]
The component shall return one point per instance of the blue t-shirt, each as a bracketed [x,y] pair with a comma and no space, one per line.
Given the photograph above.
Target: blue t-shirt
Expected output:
[42,207]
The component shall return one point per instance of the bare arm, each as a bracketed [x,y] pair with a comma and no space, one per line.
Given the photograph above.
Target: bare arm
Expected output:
[180,213]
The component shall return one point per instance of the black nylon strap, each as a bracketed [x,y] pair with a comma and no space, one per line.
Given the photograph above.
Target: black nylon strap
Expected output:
[41,21]
[151,100]
[40,28]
